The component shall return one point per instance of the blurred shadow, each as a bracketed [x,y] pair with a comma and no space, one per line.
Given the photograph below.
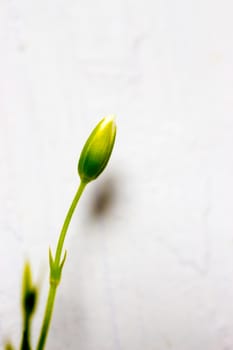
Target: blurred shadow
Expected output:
[104,199]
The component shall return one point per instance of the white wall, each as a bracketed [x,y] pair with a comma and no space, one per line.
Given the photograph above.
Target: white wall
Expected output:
[153,271]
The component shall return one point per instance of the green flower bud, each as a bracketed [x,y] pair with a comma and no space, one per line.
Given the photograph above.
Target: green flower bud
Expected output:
[8,346]
[29,291]
[97,150]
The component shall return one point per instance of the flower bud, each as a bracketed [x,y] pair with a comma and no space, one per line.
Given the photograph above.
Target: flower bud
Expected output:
[29,291]
[97,150]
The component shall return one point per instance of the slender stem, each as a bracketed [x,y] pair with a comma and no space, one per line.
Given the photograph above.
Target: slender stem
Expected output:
[67,222]
[25,344]
[47,316]
[54,284]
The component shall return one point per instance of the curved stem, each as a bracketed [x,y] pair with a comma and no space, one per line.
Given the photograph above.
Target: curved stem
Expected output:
[67,222]
[54,283]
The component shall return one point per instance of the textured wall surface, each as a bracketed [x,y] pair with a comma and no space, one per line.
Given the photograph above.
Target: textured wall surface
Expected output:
[150,249]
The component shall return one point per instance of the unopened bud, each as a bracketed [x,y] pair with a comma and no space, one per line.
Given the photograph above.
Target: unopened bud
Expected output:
[29,291]
[97,150]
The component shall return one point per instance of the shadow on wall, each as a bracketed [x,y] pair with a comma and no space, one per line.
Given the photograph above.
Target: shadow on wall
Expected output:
[104,199]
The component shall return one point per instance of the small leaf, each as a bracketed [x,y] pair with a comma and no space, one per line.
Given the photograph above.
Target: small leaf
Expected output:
[51,261]
[63,260]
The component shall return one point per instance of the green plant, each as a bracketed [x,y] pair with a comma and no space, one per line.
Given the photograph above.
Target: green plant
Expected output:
[93,160]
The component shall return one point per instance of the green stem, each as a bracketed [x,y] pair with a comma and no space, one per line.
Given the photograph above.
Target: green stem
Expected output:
[56,265]
[67,222]
[25,344]
[47,316]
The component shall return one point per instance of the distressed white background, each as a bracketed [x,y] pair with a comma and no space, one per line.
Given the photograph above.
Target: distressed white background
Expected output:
[153,269]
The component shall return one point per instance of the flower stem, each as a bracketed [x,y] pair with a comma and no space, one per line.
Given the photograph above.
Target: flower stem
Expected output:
[56,268]
[25,344]
[47,316]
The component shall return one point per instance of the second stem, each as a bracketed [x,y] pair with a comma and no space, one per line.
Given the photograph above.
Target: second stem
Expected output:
[57,266]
